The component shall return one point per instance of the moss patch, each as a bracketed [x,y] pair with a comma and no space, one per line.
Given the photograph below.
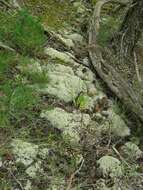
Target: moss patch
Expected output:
[52,13]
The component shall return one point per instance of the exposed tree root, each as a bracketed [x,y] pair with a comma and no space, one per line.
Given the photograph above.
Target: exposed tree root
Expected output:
[117,84]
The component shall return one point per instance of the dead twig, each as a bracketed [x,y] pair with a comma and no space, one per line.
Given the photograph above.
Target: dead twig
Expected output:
[119,155]
[136,68]
[73,175]
[4,46]
[13,176]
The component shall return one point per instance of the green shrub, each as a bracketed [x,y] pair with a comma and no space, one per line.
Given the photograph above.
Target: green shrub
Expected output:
[7,63]
[22,98]
[22,32]
[16,98]
[16,103]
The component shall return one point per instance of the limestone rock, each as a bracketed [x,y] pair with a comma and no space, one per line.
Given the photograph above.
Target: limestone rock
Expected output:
[110,166]
[24,152]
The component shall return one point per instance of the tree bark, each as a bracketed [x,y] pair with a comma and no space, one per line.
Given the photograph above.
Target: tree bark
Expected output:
[130,30]
[104,60]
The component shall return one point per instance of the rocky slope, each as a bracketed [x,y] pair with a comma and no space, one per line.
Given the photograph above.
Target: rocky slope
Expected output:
[81,129]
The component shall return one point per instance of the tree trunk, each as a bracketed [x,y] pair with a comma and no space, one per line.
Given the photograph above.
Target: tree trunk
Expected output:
[130,30]
[107,63]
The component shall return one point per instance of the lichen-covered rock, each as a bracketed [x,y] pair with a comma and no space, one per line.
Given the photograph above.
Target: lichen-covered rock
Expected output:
[28,185]
[33,169]
[101,185]
[43,153]
[68,123]
[91,90]
[57,183]
[63,84]
[131,151]
[80,7]
[77,38]
[24,152]
[67,41]
[118,126]
[110,166]
[85,74]
[58,68]
[64,57]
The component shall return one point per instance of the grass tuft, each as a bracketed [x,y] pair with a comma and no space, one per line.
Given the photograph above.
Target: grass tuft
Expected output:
[22,31]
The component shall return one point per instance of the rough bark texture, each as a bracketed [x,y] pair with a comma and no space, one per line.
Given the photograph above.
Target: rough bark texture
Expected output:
[104,62]
[131,29]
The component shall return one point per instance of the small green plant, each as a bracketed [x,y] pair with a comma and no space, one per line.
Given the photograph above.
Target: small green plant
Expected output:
[22,99]
[82,101]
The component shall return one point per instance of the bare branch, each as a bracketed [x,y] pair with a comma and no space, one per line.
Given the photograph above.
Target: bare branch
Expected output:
[3,46]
